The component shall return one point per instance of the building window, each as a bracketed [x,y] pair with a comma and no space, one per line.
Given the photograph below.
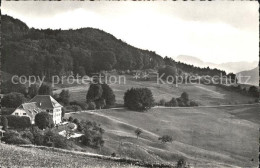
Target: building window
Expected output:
[24,113]
[16,113]
[47,110]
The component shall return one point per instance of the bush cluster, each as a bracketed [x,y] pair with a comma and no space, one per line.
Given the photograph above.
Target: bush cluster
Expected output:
[252,91]
[165,138]
[72,108]
[43,120]
[17,122]
[138,99]
[35,136]
[93,133]
[83,106]
[100,96]
[13,100]
[6,111]
[182,101]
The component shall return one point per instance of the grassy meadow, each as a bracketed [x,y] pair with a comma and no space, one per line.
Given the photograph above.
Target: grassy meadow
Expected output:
[207,137]
[205,95]
[14,156]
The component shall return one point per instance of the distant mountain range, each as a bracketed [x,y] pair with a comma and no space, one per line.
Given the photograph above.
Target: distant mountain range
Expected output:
[253,74]
[234,67]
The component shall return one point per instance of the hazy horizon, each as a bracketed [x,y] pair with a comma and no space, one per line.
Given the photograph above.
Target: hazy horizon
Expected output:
[216,32]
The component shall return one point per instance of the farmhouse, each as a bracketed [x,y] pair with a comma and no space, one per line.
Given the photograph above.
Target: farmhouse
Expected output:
[50,105]
[27,110]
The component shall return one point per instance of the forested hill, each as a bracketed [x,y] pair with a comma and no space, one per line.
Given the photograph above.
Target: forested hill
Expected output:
[47,52]
[59,52]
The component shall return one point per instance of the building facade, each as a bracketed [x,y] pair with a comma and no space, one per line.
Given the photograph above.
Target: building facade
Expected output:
[49,105]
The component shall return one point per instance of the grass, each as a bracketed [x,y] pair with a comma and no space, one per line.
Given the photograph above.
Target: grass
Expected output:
[205,136]
[204,94]
[247,113]
[14,156]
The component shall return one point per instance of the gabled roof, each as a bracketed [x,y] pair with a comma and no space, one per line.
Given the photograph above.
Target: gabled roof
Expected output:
[45,102]
[30,108]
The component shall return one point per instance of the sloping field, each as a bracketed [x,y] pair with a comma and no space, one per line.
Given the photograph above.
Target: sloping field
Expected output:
[247,113]
[14,156]
[204,94]
[207,137]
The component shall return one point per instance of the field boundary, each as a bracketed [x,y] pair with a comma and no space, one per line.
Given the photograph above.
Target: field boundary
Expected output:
[164,107]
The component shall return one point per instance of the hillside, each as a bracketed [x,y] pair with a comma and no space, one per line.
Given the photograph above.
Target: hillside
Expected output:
[234,67]
[205,95]
[206,137]
[253,74]
[29,51]
[14,156]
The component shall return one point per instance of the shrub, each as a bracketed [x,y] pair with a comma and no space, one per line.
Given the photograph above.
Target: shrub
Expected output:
[172,103]
[108,95]
[113,154]
[165,138]
[4,122]
[186,103]
[100,103]
[17,141]
[63,111]
[73,108]
[55,140]
[253,91]
[91,106]
[101,94]
[76,121]
[27,135]
[180,102]
[70,119]
[185,97]
[93,134]
[80,127]
[7,111]
[43,120]
[193,103]
[18,122]
[138,99]
[38,135]
[181,163]
[10,133]
[162,102]
[64,97]
[97,141]
[83,106]
[13,137]
[138,132]
[13,100]
[94,92]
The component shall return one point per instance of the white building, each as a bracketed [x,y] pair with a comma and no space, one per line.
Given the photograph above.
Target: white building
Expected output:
[50,105]
[27,110]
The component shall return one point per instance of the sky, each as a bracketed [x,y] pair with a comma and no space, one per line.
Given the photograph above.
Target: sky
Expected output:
[217,32]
